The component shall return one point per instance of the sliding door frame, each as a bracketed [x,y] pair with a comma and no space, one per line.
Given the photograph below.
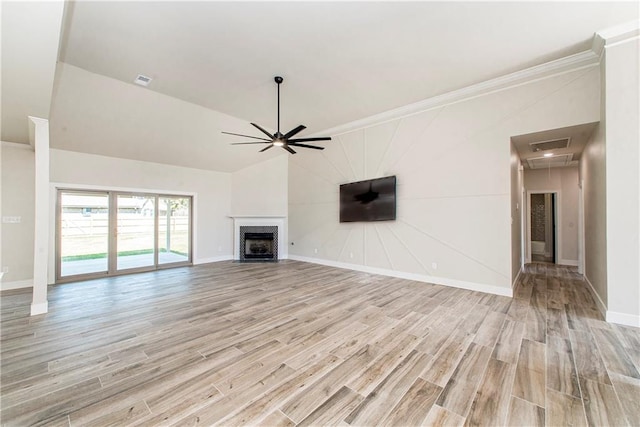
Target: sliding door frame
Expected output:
[112,252]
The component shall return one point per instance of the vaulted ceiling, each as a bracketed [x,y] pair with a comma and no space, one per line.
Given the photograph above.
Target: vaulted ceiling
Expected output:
[213,63]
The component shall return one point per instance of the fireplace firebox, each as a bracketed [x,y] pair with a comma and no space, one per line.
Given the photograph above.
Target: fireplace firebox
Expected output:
[258,243]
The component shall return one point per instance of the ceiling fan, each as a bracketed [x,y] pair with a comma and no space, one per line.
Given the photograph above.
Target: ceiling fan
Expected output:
[278,139]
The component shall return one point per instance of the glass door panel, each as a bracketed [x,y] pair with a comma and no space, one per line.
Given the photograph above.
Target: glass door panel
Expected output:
[174,229]
[83,233]
[135,232]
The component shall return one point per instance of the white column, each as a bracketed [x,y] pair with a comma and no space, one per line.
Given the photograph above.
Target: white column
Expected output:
[40,142]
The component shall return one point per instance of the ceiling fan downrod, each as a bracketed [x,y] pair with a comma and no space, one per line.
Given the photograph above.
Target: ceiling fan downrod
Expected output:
[279,81]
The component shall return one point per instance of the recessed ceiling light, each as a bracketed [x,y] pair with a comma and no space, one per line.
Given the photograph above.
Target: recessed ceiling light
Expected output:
[142,80]
[548,154]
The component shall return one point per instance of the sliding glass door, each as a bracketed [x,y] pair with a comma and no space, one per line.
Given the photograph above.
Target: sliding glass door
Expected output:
[106,233]
[135,232]
[83,224]
[174,227]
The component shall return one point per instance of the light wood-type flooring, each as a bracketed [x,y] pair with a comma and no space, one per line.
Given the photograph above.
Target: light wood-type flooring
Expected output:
[293,343]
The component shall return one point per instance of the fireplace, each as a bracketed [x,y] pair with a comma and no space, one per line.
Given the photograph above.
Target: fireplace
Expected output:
[258,243]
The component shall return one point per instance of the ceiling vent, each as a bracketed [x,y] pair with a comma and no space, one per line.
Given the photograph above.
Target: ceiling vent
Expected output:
[142,80]
[550,145]
[551,162]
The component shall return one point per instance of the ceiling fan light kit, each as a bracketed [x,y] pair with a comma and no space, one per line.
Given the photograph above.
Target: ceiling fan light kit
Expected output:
[278,139]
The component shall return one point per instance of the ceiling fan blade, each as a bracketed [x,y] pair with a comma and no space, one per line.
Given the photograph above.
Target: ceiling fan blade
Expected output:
[286,147]
[250,142]
[294,131]
[266,148]
[262,130]
[295,144]
[321,138]
[247,136]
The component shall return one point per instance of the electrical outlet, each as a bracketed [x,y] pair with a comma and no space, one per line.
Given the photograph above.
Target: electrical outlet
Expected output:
[219,248]
[350,254]
[434,265]
[315,250]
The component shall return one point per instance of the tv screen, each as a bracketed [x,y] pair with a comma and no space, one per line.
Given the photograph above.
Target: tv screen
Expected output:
[370,200]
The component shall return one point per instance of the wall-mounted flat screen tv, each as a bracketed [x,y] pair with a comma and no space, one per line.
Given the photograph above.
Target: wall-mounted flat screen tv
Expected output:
[370,200]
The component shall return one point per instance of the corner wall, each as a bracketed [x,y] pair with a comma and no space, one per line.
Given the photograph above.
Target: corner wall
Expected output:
[260,189]
[454,198]
[622,136]
[18,200]
[594,190]
[517,206]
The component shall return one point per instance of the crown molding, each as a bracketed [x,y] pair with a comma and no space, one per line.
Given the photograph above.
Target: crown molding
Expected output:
[620,33]
[570,63]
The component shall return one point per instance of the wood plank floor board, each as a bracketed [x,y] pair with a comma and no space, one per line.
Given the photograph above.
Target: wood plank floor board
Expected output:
[525,414]
[601,404]
[530,379]
[561,372]
[301,405]
[589,363]
[278,419]
[388,393]
[333,410]
[507,347]
[212,409]
[491,402]
[628,392]
[458,394]
[564,410]
[438,416]
[614,353]
[414,406]
[291,342]
[258,408]
[379,368]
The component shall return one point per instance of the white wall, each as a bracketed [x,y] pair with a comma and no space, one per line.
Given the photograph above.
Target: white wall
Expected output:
[516,212]
[18,200]
[565,182]
[454,196]
[622,135]
[261,189]
[592,175]
[211,191]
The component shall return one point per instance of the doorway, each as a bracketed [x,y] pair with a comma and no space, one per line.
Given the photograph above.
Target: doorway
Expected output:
[104,233]
[542,227]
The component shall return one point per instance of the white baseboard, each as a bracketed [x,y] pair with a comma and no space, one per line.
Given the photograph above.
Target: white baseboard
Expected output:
[213,259]
[40,308]
[602,308]
[472,286]
[570,262]
[17,284]
[623,318]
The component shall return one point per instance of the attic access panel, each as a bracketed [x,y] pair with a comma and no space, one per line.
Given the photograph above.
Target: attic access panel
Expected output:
[550,145]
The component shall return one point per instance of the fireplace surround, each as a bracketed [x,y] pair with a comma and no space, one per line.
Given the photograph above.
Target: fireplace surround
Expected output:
[258,243]
[275,224]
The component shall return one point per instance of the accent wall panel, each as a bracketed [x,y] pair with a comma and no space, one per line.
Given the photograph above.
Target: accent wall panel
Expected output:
[453,173]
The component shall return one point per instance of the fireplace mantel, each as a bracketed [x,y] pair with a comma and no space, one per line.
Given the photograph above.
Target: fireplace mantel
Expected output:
[260,220]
